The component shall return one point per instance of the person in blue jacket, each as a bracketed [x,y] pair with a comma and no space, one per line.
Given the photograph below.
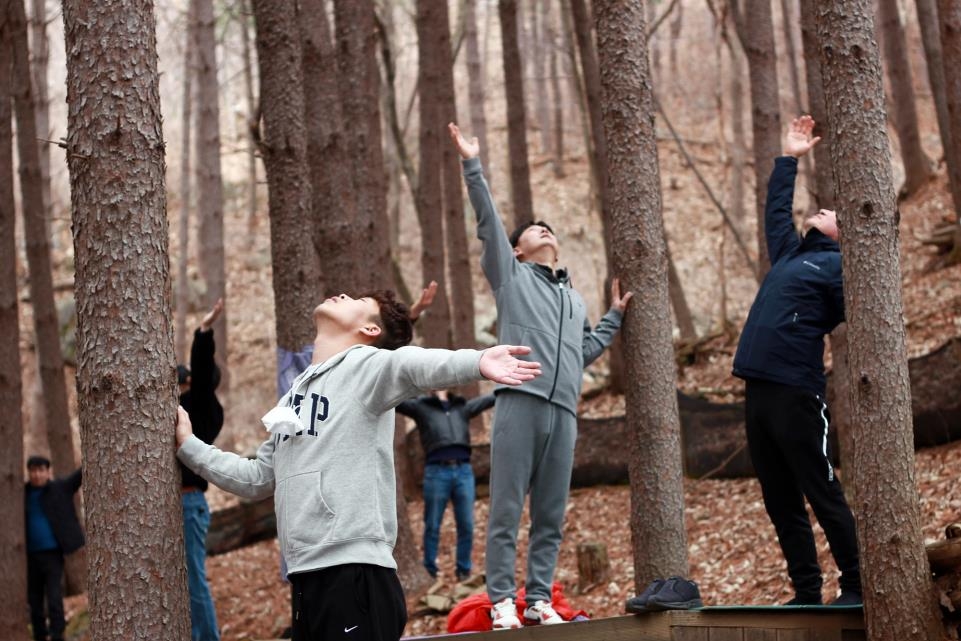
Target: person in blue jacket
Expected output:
[780,356]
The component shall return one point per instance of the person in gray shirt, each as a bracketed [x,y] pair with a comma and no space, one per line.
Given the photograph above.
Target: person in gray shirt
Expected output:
[532,439]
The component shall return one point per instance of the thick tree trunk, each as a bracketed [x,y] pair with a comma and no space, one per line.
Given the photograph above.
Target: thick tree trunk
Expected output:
[898,595]
[334,202]
[125,356]
[756,32]
[181,349]
[640,258]
[284,150]
[432,37]
[917,165]
[356,38]
[934,56]
[210,188]
[13,548]
[523,203]
[252,115]
[45,322]
[475,82]
[949,13]
[823,166]
[39,62]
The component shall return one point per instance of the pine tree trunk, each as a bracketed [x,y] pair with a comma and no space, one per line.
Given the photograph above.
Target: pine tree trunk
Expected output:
[210,188]
[432,36]
[252,116]
[898,593]
[284,150]
[523,203]
[539,16]
[125,356]
[640,257]
[654,44]
[917,165]
[557,98]
[677,21]
[45,321]
[738,133]
[756,32]
[823,166]
[475,82]
[949,12]
[39,62]
[356,37]
[181,348]
[334,203]
[13,547]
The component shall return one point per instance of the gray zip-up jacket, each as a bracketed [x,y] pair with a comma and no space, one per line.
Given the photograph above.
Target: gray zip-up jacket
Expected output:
[536,306]
[333,482]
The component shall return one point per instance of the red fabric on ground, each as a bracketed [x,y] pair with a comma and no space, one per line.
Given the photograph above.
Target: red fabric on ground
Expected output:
[473,614]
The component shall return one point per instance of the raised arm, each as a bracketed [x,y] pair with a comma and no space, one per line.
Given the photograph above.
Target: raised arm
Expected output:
[598,339]
[249,478]
[778,210]
[202,350]
[497,259]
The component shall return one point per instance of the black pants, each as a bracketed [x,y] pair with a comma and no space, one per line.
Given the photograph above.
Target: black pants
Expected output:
[353,602]
[44,578]
[787,433]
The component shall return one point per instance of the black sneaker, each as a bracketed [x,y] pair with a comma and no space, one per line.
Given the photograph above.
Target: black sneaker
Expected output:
[804,600]
[677,593]
[848,599]
[638,604]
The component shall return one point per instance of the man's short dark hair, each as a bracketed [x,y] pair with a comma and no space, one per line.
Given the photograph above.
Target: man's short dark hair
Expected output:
[38,461]
[516,234]
[394,320]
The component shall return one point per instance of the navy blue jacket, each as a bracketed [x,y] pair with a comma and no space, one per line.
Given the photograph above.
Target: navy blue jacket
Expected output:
[441,427]
[205,411]
[56,498]
[800,300]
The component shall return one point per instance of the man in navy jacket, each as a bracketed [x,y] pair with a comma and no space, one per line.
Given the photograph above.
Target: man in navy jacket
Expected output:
[781,358]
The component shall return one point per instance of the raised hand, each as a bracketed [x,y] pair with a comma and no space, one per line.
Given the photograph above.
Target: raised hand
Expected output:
[619,302]
[212,316]
[426,300]
[798,140]
[467,149]
[499,364]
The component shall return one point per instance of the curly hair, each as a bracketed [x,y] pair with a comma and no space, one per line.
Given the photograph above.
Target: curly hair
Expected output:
[393,320]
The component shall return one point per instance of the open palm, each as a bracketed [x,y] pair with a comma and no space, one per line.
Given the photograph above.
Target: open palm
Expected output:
[798,140]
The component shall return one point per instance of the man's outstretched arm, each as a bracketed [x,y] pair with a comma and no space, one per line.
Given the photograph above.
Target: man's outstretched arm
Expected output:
[779,207]
[599,338]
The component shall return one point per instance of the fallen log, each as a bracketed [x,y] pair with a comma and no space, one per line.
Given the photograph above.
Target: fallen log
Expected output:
[239,525]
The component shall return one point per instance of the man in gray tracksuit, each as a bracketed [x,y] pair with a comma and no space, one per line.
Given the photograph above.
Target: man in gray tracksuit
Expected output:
[329,462]
[532,439]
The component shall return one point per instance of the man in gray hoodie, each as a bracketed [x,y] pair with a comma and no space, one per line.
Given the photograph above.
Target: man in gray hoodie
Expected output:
[329,461]
[532,439]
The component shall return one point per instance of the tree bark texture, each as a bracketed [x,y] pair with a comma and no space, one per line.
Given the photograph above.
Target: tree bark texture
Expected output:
[39,62]
[521,198]
[334,202]
[917,165]
[898,593]
[557,99]
[539,15]
[934,56]
[738,134]
[13,547]
[475,82]
[949,12]
[356,37]
[125,357]
[756,31]
[432,36]
[45,321]
[284,150]
[823,167]
[640,252]
[210,187]
[252,115]
[181,348]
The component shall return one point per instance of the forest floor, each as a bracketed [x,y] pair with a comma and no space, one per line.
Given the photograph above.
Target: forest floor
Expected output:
[733,552]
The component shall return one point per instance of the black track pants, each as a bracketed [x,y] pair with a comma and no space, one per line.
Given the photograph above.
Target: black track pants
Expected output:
[353,602]
[787,433]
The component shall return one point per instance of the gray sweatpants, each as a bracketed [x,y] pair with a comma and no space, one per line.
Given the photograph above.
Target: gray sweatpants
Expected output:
[532,450]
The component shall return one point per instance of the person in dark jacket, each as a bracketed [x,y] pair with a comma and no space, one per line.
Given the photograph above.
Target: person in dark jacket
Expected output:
[443,423]
[53,530]
[197,396]
[781,358]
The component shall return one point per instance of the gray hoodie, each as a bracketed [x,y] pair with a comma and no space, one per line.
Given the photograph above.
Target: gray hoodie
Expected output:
[537,306]
[333,482]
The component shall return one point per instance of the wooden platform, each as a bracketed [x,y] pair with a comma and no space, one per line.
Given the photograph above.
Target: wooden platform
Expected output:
[728,624]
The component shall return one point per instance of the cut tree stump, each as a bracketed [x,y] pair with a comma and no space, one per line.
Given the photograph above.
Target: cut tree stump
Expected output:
[593,566]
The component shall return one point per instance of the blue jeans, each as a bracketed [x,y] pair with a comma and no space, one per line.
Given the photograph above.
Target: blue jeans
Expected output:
[443,483]
[203,618]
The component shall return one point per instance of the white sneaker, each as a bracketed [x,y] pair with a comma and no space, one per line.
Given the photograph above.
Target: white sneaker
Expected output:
[504,615]
[543,613]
